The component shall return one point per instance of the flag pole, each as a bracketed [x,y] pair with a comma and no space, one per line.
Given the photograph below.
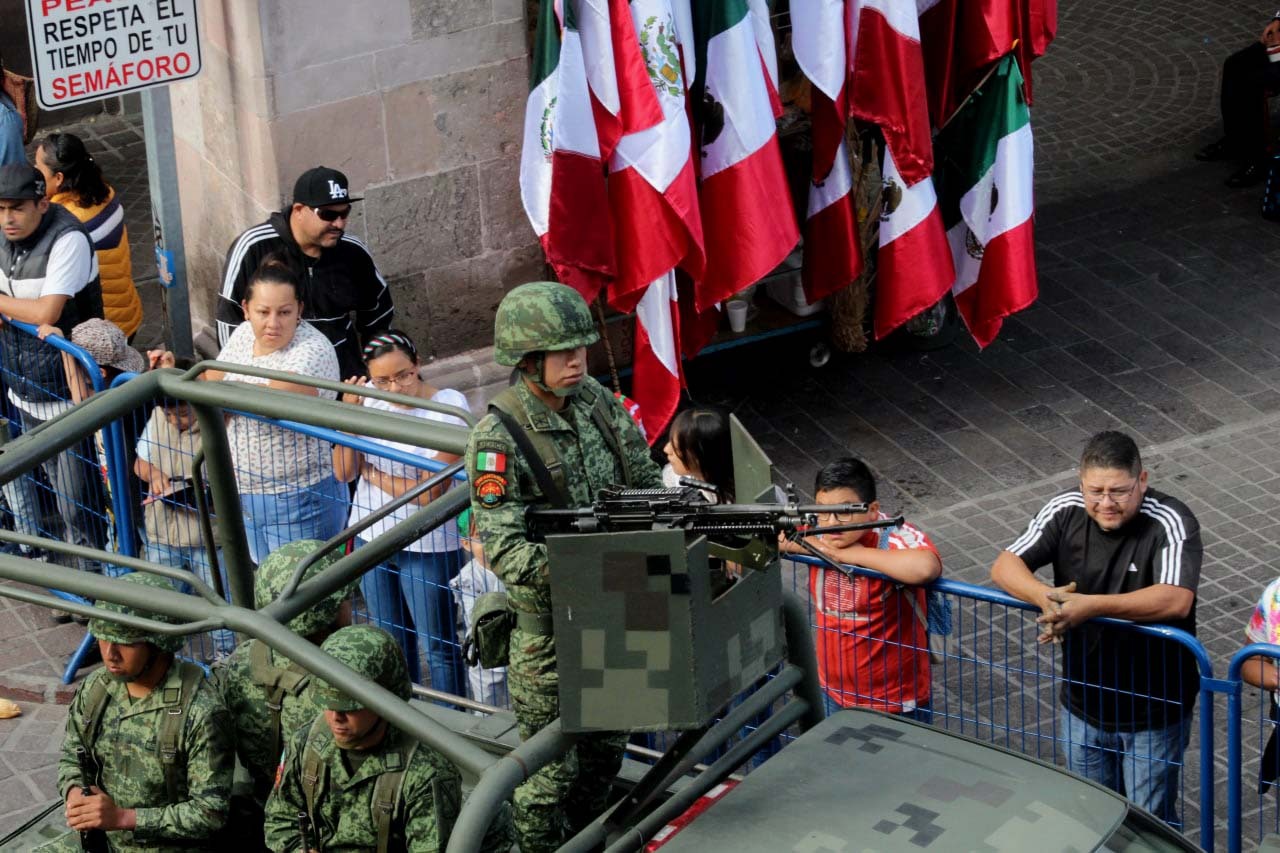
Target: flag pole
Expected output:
[608,344]
[981,83]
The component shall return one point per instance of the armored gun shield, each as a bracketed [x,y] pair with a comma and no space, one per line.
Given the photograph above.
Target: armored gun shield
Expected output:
[641,644]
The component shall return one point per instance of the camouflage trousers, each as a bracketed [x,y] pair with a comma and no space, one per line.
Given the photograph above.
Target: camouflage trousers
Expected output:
[567,794]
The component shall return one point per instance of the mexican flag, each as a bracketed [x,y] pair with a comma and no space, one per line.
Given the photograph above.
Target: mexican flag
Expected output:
[915,268]
[746,212]
[985,182]
[562,183]
[818,39]
[621,96]
[832,250]
[654,196]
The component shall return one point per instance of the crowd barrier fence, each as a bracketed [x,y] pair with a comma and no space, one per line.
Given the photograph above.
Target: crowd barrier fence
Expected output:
[988,677]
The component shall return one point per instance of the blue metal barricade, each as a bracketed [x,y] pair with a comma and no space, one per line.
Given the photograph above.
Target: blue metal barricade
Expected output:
[72,496]
[988,677]
[1264,717]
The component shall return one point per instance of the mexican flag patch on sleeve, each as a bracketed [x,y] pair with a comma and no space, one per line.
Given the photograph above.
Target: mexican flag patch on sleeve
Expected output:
[491,461]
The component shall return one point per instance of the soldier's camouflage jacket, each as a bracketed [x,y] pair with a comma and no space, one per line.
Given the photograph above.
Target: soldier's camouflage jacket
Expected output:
[431,795]
[246,701]
[589,465]
[131,772]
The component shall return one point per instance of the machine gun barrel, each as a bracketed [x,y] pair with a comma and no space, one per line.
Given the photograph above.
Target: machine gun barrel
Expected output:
[686,509]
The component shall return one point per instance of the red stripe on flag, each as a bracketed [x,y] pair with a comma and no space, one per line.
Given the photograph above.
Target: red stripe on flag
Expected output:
[1006,283]
[888,88]
[640,106]
[832,257]
[828,119]
[655,232]
[748,222]
[579,239]
[697,328]
[915,272]
[654,387]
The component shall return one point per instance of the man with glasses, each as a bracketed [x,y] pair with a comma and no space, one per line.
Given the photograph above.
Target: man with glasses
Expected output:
[871,637]
[1123,550]
[338,274]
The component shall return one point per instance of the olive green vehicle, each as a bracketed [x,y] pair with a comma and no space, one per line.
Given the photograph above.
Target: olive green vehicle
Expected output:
[646,644]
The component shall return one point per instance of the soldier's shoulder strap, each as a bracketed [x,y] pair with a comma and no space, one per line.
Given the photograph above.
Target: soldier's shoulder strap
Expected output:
[314,767]
[539,451]
[94,706]
[276,682]
[598,397]
[388,791]
[177,701]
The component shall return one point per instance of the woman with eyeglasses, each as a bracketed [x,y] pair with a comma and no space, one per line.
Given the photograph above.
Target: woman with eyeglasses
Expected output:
[408,595]
[287,488]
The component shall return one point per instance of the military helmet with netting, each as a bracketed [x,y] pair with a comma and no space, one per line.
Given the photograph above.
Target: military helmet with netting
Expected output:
[114,632]
[371,652]
[542,316]
[276,570]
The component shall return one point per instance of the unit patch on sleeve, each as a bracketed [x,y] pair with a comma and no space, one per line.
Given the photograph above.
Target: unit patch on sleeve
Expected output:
[490,489]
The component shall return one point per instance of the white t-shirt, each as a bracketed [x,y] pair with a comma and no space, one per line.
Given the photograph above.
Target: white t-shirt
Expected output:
[72,265]
[368,498]
[270,459]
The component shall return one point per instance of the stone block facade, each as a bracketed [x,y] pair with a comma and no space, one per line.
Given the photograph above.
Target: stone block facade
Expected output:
[420,102]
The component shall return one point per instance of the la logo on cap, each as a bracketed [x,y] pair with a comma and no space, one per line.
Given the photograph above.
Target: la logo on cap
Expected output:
[337,190]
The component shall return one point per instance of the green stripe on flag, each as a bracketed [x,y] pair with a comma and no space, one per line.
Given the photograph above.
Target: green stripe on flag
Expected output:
[965,149]
[546,45]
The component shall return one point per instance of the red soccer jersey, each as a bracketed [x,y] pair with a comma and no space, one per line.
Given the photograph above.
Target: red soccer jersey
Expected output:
[873,649]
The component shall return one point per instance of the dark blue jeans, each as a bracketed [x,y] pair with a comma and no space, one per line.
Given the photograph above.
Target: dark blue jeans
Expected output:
[410,597]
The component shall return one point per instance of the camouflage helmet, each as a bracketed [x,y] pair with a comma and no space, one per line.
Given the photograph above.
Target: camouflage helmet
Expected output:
[273,577]
[114,632]
[538,317]
[371,652]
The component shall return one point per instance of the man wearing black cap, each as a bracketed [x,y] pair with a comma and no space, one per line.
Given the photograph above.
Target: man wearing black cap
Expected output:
[338,273]
[48,274]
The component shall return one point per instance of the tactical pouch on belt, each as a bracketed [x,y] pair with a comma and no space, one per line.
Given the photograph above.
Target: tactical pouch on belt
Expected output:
[489,641]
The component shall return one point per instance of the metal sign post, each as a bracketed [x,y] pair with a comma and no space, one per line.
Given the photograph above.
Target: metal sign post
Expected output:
[166,212]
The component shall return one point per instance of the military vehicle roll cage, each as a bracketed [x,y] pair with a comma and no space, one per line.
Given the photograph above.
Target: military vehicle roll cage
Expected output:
[627,828]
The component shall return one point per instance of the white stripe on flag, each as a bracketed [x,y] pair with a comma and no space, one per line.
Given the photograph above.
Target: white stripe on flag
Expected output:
[735,79]
[915,204]
[1011,176]
[817,37]
[597,43]
[836,186]
[573,126]
[535,162]
[654,312]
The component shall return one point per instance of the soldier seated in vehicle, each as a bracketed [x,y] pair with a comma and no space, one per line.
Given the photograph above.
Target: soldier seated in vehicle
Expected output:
[151,740]
[360,782]
[266,693]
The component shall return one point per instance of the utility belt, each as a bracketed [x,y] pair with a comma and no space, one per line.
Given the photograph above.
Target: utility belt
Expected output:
[539,624]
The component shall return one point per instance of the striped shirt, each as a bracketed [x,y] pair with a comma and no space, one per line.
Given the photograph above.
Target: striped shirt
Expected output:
[1108,666]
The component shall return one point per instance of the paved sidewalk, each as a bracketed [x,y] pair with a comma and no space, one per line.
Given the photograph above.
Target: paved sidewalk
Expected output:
[1159,314]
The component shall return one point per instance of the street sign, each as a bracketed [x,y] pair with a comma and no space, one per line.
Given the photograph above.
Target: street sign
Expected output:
[84,50]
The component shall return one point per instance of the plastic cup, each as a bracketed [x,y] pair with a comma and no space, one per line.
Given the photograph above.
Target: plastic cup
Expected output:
[737,310]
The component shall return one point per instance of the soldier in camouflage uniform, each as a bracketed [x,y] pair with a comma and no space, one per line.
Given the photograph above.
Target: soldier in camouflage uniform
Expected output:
[553,439]
[349,758]
[159,740]
[265,692]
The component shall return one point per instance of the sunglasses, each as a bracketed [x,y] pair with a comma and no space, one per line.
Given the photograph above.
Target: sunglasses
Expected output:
[331,215]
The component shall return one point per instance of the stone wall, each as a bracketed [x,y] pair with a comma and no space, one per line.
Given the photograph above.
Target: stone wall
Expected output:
[420,102]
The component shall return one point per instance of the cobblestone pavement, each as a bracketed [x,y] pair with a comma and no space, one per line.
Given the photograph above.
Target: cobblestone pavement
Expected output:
[1158,314]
